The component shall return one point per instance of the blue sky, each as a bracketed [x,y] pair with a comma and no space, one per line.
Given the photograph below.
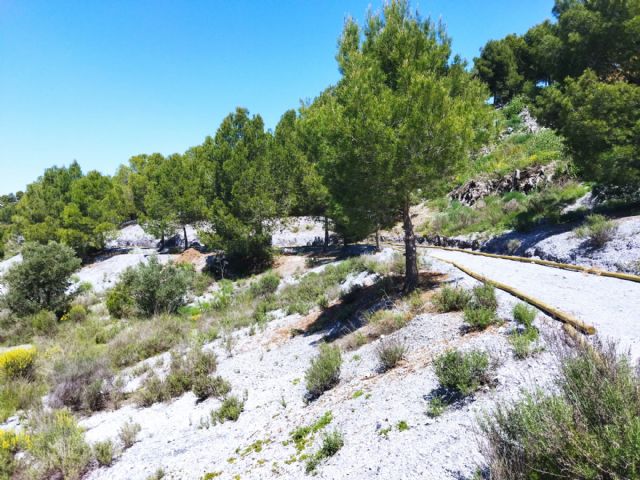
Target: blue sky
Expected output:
[100,81]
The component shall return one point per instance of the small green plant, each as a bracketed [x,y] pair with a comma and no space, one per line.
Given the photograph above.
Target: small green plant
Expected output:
[402,426]
[266,285]
[44,322]
[437,406]
[205,386]
[157,475]
[522,342]
[451,299]
[524,315]
[104,452]
[230,409]
[324,371]
[332,442]
[462,372]
[597,230]
[480,318]
[390,353]
[128,434]
[484,296]
[76,314]
[357,394]
[301,436]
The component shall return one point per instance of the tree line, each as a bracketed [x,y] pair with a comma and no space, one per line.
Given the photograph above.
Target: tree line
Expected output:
[401,123]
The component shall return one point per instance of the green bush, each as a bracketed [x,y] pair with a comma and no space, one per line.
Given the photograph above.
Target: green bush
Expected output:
[484,296]
[390,353]
[230,409]
[19,362]
[522,342]
[41,280]
[128,434]
[80,382]
[104,452]
[205,386]
[332,442]
[76,314]
[451,299]
[57,445]
[151,391]
[267,284]
[480,318]
[524,315]
[597,230]
[150,288]
[324,371]
[462,372]
[44,322]
[19,394]
[588,428]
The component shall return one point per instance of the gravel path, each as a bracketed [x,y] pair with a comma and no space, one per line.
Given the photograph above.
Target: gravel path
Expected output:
[609,304]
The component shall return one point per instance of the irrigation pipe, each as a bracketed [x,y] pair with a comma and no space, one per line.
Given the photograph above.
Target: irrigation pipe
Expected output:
[567,319]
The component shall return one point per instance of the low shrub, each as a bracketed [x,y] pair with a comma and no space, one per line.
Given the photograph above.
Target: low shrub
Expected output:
[43,322]
[451,299]
[522,342]
[524,315]
[324,371]
[384,322]
[128,434]
[151,391]
[230,409]
[588,428]
[57,445]
[267,284]
[104,452]
[484,296]
[76,314]
[18,363]
[480,318]
[205,386]
[597,230]
[19,394]
[81,383]
[332,442]
[10,444]
[390,353]
[461,372]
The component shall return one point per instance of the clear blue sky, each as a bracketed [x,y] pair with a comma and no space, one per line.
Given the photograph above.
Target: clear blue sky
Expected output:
[100,81]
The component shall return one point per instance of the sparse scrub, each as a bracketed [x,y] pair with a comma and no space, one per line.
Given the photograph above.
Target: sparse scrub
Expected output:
[480,318]
[43,323]
[524,315]
[587,429]
[324,371]
[266,285]
[19,394]
[80,382]
[597,230]
[522,340]
[332,442]
[484,296]
[104,452]
[76,314]
[230,409]
[57,445]
[462,372]
[384,322]
[205,386]
[128,434]
[451,299]
[390,353]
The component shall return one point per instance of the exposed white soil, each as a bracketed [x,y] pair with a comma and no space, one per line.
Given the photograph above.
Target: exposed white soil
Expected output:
[609,304]
[269,367]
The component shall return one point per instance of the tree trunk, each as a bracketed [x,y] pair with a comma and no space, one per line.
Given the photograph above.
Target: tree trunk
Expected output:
[162,242]
[410,253]
[184,230]
[325,246]
[377,240]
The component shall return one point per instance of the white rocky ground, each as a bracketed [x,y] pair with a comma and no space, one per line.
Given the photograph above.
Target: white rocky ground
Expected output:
[268,368]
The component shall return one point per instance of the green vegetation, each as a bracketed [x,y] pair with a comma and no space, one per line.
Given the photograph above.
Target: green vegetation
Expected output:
[451,299]
[302,436]
[42,280]
[324,371]
[104,452]
[461,372]
[481,310]
[128,434]
[587,429]
[331,443]
[597,230]
[390,353]
[523,339]
[230,409]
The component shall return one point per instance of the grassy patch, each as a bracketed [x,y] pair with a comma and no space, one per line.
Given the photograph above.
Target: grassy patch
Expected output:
[324,371]
[451,299]
[332,442]
[597,230]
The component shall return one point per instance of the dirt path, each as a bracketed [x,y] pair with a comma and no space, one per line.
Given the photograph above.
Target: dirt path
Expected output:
[609,304]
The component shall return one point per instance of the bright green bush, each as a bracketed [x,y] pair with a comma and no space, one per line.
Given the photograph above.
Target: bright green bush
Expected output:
[230,409]
[76,314]
[324,371]
[332,442]
[524,315]
[462,372]
[104,452]
[479,318]
[484,296]
[43,322]
[41,280]
[451,299]
[587,429]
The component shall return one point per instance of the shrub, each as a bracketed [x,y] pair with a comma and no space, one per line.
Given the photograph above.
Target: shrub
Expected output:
[230,409]
[450,299]
[205,386]
[150,288]
[19,394]
[524,315]
[18,363]
[588,428]
[332,442]
[324,371]
[76,314]
[385,322]
[484,296]
[267,284]
[41,281]
[151,391]
[522,341]
[461,372]
[479,318]
[10,444]
[58,445]
[128,434]
[44,322]
[103,451]
[390,353]
[80,382]
[597,230]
